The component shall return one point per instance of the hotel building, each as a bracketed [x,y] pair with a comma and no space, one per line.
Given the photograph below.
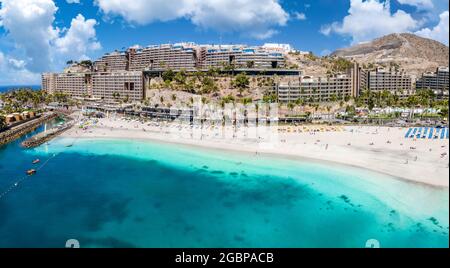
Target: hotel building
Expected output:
[190,56]
[110,62]
[242,57]
[118,86]
[176,57]
[312,89]
[72,84]
[359,79]
[437,81]
[384,79]
[49,82]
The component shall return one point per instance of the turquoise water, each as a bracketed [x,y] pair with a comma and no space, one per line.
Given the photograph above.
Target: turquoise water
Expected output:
[118,193]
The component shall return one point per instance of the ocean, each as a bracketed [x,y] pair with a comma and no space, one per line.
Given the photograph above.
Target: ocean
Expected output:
[120,193]
[9,88]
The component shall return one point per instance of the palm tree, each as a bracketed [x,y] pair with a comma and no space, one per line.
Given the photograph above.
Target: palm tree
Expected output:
[333,98]
[241,82]
[299,102]
[2,122]
[291,106]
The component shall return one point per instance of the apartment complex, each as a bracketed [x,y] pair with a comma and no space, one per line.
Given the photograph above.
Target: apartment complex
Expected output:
[174,57]
[437,81]
[359,79]
[385,79]
[110,62]
[104,85]
[49,82]
[190,56]
[311,89]
[118,85]
[73,84]
[242,57]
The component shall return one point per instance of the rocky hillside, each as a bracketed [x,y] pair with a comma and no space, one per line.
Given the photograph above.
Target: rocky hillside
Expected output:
[412,53]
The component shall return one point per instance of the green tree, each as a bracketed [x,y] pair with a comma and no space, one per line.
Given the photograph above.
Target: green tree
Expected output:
[213,72]
[180,77]
[333,98]
[425,97]
[208,85]
[246,101]
[270,98]
[168,75]
[291,106]
[86,63]
[2,122]
[241,82]
[227,99]
[444,112]
[350,109]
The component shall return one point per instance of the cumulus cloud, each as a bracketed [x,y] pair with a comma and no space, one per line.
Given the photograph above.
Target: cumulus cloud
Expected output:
[146,11]
[16,64]
[254,17]
[370,19]
[29,25]
[299,16]
[439,32]
[12,72]
[79,38]
[420,4]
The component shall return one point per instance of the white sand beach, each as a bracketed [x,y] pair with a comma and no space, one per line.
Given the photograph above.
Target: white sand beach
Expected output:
[380,149]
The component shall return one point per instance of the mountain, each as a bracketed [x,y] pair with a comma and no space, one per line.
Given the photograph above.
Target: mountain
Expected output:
[412,53]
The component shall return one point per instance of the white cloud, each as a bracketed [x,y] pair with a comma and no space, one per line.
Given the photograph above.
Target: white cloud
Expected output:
[41,46]
[439,32]
[254,17]
[79,39]
[12,72]
[299,16]
[146,11]
[29,24]
[371,19]
[73,1]
[16,64]
[420,4]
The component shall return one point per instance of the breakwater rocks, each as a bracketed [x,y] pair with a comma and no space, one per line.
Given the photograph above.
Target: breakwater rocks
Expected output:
[43,137]
[15,132]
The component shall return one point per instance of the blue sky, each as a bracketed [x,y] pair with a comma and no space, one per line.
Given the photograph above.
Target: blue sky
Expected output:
[41,35]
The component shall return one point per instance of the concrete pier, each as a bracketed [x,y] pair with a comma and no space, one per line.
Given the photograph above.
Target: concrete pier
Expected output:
[45,136]
[15,132]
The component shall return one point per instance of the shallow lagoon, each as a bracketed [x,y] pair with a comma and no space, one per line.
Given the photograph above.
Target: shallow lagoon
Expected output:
[119,193]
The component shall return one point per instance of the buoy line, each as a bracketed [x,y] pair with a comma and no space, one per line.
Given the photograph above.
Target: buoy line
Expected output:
[16,184]
[22,179]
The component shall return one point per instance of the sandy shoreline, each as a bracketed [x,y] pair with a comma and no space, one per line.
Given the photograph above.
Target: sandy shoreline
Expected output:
[380,149]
